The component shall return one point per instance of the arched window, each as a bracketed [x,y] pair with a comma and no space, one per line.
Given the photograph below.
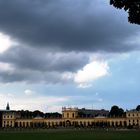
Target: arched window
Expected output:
[67,115]
[23,124]
[73,115]
[120,123]
[27,124]
[20,125]
[113,124]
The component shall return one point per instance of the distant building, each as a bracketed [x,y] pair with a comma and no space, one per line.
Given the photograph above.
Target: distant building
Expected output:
[133,118]
[93,113]
[72,117]
[2,112]
[7,107]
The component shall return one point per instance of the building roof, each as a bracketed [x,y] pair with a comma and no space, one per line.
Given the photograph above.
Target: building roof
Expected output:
[132,110]
[93,112]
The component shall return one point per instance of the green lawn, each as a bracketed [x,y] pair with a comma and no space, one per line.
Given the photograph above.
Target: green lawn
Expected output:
[70,135]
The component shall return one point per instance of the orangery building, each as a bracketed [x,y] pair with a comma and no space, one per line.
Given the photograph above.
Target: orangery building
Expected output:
[71,117]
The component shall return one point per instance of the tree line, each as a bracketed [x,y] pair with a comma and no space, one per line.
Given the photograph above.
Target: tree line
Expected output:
[119,112]
[115,111]
[37,113]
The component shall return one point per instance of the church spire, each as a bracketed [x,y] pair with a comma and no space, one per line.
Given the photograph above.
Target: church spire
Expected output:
[8,107]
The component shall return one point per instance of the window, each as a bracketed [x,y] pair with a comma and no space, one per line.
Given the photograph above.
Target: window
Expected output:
[67,115]
[73,115]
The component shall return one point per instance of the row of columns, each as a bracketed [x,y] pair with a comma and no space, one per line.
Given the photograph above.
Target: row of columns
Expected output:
[66,123]
[71,123]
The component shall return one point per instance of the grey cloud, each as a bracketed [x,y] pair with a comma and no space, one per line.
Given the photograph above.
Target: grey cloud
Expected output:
[32,77]
[32,65]
[66,25]
[40,60]
[56,36]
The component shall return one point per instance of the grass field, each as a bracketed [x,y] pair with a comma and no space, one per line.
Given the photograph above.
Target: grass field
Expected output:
[70,135]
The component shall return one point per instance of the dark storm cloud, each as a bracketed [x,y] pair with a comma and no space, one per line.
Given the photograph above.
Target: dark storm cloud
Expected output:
[66,25]
[32,65]
[39,60]
[26,76]
[55,37]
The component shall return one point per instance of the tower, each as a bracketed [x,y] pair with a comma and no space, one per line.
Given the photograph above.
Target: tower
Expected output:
[69,113]
[7,107]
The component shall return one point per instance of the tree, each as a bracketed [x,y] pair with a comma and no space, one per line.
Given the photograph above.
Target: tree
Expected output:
[121,112]
[38,113]
[116,111]
[131,6]
[138,108]
[53,115]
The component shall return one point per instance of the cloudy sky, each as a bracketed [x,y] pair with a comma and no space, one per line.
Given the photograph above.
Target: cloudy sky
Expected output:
[78,53]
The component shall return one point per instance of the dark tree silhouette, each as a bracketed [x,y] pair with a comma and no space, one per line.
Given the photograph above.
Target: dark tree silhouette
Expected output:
[138,108]
[131,6]
[116,111]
